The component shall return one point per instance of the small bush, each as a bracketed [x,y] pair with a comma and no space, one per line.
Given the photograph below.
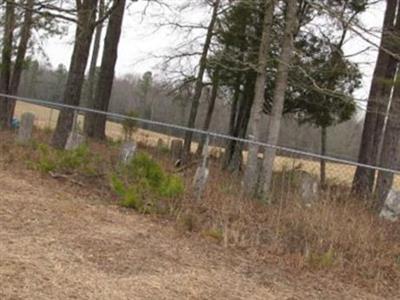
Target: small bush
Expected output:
[322,260]
[142,183]
[214,233]
[187,221]
[172,187]
[80,160]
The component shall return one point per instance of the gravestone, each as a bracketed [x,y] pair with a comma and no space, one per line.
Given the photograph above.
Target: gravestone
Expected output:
[161,146]
[308,187]
[176,149]
[25,129]
[74,141]
[160,143]
[391,207]
[128,151]
[202,172]
[200,181]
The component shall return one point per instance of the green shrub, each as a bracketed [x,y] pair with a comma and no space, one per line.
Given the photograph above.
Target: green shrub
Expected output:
[172,187]
[143,183]
[322,260]
[214,233]
[80,160]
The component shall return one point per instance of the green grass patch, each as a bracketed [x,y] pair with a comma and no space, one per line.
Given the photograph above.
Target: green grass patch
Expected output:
[142,184]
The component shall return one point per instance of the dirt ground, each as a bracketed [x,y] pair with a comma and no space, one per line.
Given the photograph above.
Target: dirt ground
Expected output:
[57,243]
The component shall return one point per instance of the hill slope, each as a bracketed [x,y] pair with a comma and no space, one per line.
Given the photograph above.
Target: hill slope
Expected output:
[56,244]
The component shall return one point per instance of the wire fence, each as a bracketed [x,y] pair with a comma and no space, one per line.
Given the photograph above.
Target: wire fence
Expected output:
[156,135]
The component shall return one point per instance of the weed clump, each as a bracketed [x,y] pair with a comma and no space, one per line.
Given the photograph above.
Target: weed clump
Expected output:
[142,183]
[80,160]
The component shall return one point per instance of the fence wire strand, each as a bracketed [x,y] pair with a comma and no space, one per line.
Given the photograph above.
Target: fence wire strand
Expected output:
[121,117]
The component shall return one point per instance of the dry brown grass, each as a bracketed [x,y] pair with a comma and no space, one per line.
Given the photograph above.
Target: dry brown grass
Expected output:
[338,236]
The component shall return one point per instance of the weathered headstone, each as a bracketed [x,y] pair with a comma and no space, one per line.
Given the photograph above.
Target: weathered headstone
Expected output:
[391,207]
[161,146]
[200,181]
[308,187]
[128,151]
[26,128]
[74,141]
[202,172]
[176,149]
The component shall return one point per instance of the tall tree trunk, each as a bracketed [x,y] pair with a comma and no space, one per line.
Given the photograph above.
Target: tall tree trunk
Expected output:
[96,127]
[323,153]
[275,118]
[364,178]
[390,150]
[389,157]
[230,144]
[210,111]
[5,72]
[93,61]
[234,109]
[21,53]
[76,74]
[251,173]
[233,160]
[199,82]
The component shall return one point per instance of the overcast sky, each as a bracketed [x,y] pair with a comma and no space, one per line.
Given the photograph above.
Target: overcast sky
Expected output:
[140,41]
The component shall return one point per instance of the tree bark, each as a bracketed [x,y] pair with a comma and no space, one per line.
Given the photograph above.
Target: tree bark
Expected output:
[388,156]
[21,53]
[96,126]
[76,74]
[210,111]
[364,178]
[93,61]
[234,156]
[5,72]
[199,83]
[279,94]
[390,151]
[257,112]
[323,153]
[230,145]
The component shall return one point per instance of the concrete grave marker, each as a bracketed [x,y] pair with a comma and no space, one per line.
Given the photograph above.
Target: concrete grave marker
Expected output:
[75,139]
[176,149]
[201,176]
[200,181]
[25,129]
[309,188]
[128,151]
[391,208]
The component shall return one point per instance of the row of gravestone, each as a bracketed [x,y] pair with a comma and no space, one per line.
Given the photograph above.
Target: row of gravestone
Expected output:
[25,129]
[128,149]
[309,186]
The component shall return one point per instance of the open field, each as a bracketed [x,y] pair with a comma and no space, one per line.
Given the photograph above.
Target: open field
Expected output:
[58,242]
[338,173]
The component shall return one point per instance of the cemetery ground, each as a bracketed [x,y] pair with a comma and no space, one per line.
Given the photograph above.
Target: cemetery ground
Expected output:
[64,235]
